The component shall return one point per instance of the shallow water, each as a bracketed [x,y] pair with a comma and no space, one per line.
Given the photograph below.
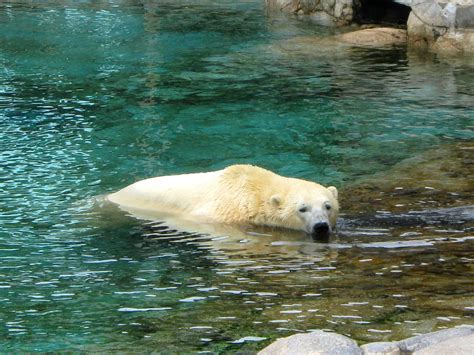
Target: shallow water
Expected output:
[94,97]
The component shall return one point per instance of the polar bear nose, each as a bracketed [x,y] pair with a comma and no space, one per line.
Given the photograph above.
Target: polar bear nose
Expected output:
[321,229]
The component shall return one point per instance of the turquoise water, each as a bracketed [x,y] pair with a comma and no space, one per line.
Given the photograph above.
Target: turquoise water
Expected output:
[94,97]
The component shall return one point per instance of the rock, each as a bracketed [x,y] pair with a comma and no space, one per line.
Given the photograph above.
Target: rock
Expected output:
[419,34]
[429,12]
[406,183]
[464,17]
[381,348]
[417,343]
[376,37]
[322,12]
[438,39]
[459,340]
[339,46]
[458,346]
[455,42]
[314,343]
[442,27]
[445,26]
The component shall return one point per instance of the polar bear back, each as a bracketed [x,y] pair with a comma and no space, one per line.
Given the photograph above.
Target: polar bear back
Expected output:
[189,193]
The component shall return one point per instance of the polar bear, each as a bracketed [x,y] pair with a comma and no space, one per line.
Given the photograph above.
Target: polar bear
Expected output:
[238,194]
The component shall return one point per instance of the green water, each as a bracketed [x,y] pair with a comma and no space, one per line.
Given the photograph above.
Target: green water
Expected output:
[94,97]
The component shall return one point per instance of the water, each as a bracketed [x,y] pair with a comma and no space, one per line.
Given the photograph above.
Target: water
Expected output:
[96,96]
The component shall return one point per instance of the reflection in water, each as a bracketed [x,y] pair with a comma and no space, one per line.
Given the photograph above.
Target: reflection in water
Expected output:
[94,96]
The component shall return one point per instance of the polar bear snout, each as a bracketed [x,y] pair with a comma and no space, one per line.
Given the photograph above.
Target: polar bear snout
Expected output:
[320,230]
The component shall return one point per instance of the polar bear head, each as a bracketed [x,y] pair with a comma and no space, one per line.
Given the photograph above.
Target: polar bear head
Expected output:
[306,206]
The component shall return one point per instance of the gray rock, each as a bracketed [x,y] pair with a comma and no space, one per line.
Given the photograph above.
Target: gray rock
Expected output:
[322,12]
[315,343]
[465,17]
[442,26]
[458,346]
[429,12]
[381,348]
[449,13]
[459,341]
[322,18]
[427,340]
[438,38]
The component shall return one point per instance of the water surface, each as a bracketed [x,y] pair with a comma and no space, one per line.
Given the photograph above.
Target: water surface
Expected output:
[96,96]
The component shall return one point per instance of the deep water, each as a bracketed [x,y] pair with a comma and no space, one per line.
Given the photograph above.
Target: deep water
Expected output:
[96,96]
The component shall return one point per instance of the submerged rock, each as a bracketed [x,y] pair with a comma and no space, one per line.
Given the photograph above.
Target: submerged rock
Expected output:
[437,179]
[375,37]
[339,46]
[418,200]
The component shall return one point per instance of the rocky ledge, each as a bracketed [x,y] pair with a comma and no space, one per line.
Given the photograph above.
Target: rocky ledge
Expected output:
[459,340]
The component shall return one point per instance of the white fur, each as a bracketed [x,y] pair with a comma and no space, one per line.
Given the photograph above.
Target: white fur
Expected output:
[241,194]
[185,194]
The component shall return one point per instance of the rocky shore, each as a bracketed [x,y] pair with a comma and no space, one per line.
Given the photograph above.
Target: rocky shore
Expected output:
[443,26]
[459,340]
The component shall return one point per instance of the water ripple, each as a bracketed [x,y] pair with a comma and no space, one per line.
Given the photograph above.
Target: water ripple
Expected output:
[96,96]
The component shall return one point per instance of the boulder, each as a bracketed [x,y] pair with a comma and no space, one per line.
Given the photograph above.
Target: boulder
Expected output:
[315,343]
[426,341]
[459,346]
[441,26]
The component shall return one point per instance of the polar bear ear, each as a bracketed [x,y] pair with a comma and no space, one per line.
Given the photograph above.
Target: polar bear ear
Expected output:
[333,190]
[275,200]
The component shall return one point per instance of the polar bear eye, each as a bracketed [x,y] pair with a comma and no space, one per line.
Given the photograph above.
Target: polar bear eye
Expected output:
[327,205]
[303,209]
